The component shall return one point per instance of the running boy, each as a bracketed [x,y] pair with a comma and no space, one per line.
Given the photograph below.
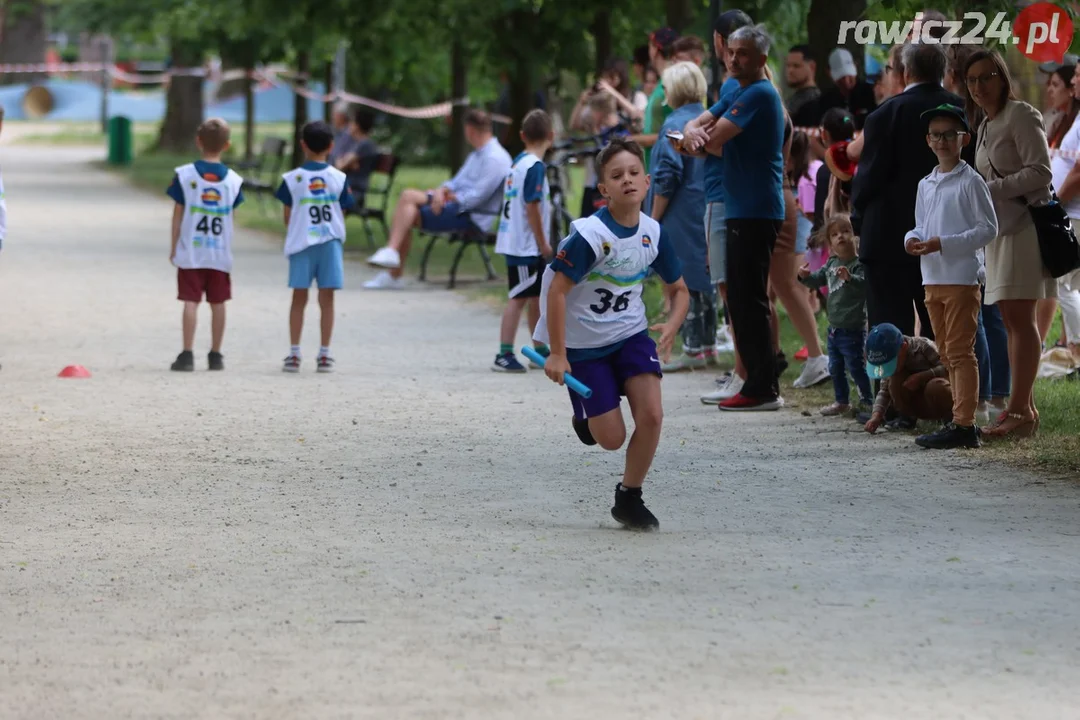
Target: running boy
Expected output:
[846,280]
[524,232]
[315,196]
[206,193]
[593,317]
[954,221]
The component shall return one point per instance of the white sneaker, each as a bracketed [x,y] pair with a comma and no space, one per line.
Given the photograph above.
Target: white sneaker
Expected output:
[386,257]
[385,281]
[685,362]
[982,414]
[814,372]
[724,344]
[731,389]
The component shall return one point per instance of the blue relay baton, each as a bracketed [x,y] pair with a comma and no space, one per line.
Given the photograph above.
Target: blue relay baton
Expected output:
[571,382]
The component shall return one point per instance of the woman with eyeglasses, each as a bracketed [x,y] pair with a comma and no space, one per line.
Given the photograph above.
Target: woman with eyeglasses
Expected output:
[1014,157]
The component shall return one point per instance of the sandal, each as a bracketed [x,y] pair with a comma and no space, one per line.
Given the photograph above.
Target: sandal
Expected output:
[1023,427]
[996,421]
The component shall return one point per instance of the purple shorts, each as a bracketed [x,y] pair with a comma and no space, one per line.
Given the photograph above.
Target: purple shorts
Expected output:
[607,376]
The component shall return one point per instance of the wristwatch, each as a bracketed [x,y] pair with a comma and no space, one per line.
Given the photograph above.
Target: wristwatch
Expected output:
[430,196]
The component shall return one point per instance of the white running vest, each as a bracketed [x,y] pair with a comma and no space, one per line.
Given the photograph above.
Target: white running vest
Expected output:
[606,306]
[515,233]
[207,228]
[316,208]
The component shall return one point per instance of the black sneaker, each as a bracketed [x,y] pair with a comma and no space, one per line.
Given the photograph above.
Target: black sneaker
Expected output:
[631,512]
[507,363]
[216,360]
[901,423]
[951,436]
[324,364]
[781,364]
[185,362]
[581,427]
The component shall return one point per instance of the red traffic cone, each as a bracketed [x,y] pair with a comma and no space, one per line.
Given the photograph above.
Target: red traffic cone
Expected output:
[74,371]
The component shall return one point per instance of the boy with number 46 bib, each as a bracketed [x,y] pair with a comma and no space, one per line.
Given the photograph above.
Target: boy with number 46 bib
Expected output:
[593,319]
[315,196]
[206,193]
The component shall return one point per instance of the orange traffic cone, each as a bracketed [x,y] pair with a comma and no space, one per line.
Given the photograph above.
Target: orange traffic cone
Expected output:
[74,371]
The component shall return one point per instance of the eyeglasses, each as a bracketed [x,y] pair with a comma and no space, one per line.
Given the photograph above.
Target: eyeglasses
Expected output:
[945,136]
[981,79]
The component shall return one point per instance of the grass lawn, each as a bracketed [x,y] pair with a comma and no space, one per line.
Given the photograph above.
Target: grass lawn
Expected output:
[1056,448]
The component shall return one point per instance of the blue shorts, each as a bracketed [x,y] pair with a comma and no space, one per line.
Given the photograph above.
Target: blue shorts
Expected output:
[448,221]
[607,376]
[716,237]
[802,234]
[324,263]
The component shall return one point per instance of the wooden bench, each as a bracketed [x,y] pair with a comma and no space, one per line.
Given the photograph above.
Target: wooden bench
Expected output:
[482,240]
[261,175]
[368,211]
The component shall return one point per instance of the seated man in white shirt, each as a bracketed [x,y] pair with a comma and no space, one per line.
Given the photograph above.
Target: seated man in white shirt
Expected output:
[470,201]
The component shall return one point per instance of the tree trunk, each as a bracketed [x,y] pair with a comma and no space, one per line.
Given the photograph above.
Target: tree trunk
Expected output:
[300,118]
[183,102]
[458,89]
[521,77]
[823,22]
[679,14]
[23,38]
[328,81]
[249,115]
[601,32]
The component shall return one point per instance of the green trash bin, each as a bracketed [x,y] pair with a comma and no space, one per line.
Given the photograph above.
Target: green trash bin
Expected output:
[120,142]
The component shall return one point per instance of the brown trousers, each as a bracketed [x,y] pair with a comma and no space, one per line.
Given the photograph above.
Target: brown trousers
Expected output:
[933,402]
[954,313]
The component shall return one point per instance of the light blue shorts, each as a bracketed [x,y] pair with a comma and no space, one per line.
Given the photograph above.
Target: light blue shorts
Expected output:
[802,234]
[716,236]
[324,263]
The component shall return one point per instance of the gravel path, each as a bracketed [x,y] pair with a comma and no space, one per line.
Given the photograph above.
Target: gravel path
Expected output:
[417,537]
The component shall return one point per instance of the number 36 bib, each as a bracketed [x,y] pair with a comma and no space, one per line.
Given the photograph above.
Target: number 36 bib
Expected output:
[207,228]
[606,307]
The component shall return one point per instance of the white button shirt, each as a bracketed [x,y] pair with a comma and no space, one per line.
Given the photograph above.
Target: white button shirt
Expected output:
[956,207]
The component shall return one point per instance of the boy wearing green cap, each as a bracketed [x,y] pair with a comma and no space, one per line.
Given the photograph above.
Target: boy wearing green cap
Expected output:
[954,221]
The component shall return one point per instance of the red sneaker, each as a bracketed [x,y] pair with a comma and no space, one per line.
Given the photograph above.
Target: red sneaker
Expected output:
[802,355]
[742,403]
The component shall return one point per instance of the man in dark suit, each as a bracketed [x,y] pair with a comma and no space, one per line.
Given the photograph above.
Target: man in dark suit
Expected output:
[894,159]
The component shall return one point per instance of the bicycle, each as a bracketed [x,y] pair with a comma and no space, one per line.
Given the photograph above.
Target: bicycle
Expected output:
[562,155]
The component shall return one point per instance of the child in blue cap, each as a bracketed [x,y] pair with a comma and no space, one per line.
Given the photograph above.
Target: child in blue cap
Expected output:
[913,380]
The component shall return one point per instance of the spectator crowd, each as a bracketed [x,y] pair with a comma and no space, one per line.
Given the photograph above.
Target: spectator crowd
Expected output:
[912,207]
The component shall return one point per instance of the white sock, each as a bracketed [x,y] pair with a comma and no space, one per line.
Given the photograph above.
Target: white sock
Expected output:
[295,351]
[324,352]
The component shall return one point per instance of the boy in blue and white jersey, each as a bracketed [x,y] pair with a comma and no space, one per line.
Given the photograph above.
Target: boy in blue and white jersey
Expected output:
[315,196]
[206,194]
[524,236]
[593,318]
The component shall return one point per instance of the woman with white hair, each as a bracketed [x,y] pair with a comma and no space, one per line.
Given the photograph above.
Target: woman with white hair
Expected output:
[677,199]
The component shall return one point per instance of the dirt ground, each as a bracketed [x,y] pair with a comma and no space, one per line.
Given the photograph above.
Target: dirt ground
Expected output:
[418,537]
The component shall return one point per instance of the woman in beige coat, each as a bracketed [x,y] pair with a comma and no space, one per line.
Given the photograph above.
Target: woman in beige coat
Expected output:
[1014,157]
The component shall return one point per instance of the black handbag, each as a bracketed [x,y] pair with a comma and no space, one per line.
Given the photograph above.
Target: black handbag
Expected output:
[1057,242]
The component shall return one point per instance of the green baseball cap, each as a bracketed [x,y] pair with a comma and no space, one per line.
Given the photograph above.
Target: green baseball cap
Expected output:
[946,110]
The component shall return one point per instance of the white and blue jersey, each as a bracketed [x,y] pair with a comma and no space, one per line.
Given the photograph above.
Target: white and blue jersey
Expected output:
[209,193]
[318,195]
[608,264]
[526,183]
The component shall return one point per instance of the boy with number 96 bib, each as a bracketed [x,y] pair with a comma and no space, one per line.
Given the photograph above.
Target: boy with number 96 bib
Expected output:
[206,194]
[315,196]
[593,319]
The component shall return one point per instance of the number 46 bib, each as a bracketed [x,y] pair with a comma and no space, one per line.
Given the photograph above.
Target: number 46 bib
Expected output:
[606,307]
[207,228]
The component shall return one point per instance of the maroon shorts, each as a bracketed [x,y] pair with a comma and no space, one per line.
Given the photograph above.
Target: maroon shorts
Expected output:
[193,283]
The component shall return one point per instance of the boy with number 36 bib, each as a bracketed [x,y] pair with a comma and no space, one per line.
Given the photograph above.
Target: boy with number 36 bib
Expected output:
[593,319]
[315,196]
[206,193]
